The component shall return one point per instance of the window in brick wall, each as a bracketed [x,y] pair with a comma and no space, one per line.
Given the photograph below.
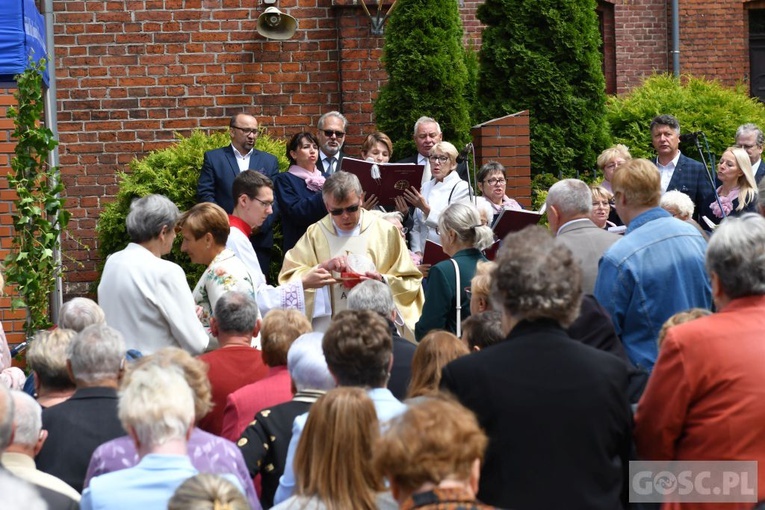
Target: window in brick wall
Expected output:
[757,52]
[605,11]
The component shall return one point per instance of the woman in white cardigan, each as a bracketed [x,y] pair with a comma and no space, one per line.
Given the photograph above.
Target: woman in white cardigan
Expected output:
[446,187]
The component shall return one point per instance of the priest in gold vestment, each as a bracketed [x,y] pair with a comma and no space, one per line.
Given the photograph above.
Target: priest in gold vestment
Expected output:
[342,242]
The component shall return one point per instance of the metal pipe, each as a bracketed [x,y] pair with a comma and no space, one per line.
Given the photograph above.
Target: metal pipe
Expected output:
[675,38]
[51,122]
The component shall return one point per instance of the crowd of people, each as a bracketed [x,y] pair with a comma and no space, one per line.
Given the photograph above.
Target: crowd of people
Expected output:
[363,379]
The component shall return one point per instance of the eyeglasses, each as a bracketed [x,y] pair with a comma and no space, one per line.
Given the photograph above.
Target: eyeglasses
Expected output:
[328,133]
[495,181]
[247,131]
[350,210]
[746,146]
[438,159]
[263,203]
[469,292]
[603,203]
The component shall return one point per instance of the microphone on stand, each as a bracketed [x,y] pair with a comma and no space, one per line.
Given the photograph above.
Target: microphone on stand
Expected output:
[691,137]
[462,156]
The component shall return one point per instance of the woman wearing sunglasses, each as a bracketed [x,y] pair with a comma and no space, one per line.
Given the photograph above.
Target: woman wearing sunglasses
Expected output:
[298,190]
[446,187]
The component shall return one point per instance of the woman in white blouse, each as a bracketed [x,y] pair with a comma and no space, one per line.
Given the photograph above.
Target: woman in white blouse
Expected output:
[446,187]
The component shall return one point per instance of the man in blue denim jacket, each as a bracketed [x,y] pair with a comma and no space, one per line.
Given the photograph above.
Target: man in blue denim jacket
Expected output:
[655,271]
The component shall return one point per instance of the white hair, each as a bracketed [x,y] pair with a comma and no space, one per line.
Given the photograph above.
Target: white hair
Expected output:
[307,365]
[27,419]
[96,354]
[679,201]
[157,403]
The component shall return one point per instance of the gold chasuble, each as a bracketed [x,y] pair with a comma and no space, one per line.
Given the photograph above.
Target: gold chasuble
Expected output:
[380,241]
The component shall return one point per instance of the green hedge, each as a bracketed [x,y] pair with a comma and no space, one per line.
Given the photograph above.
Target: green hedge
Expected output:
[173,172]
[544,56]
[427,74]
[699,104]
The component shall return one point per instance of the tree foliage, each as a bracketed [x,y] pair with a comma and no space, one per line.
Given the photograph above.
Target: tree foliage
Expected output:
[544,56]
[38,214]
[428,75]
[699,105]
[173,172]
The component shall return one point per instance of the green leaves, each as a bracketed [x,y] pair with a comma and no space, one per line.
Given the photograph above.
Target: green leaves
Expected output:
[699,104]
[38,215]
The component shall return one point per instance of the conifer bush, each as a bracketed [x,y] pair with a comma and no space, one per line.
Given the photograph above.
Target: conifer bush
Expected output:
[544,57]
[428,74]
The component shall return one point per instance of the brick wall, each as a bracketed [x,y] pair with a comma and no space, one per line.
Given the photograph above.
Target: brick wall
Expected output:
[12,322]
[641,40]
[714,40]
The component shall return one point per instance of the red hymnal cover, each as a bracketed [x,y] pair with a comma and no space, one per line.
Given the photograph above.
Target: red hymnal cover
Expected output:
[394,178]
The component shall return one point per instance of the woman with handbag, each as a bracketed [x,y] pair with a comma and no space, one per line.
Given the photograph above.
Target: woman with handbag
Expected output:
[463,237]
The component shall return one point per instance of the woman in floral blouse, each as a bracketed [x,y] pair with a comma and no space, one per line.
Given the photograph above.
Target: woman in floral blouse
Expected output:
[205,229]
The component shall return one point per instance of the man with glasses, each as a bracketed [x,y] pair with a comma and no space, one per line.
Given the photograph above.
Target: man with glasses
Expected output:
[220,168]
[331,135]
[356,245]
[750,138]
[254,194]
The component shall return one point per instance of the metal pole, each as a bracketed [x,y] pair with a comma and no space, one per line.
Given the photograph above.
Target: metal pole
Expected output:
[51,122]
[675,38]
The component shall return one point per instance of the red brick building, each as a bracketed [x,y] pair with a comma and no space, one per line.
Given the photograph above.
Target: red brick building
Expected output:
[131,73]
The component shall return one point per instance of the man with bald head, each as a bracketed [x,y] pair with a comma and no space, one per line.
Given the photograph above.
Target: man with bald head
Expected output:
[220,168]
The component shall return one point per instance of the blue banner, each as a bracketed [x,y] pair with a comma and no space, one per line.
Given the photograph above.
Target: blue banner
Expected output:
[22,35]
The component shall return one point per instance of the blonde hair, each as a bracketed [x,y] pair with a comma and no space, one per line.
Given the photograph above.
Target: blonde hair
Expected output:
[281,328]
[207,491]
[434,352]
[680,318]
[340,432]
[601,193]
[640,182]
[481,282]
[746,183]
[434,440]
[47,356]
[615,151]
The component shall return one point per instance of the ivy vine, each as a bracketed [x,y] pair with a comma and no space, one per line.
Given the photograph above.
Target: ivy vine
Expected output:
[39,216]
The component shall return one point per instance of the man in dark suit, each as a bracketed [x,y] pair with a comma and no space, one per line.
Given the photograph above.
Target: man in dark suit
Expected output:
[220,168]
[427,133]
[569,204]
[330,131]
[88,419]
[677,170]
[750,138]
[555,410]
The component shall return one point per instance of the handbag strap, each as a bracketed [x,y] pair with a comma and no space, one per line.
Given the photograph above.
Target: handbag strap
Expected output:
[459,298]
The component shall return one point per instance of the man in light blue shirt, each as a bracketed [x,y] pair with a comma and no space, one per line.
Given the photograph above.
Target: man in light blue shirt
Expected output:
[358,347]
[655,271]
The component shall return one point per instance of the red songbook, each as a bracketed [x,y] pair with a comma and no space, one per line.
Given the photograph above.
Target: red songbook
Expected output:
[433,253]
[511,220]
[384,180]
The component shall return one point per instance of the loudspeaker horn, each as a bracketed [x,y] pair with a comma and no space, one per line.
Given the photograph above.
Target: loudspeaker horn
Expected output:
[274,24]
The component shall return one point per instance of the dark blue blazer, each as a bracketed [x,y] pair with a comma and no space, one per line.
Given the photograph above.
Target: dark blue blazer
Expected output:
[219,170]
[299,206]
[690,177]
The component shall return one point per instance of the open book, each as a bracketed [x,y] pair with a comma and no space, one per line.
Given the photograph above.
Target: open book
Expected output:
[384,180]
[510,220]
